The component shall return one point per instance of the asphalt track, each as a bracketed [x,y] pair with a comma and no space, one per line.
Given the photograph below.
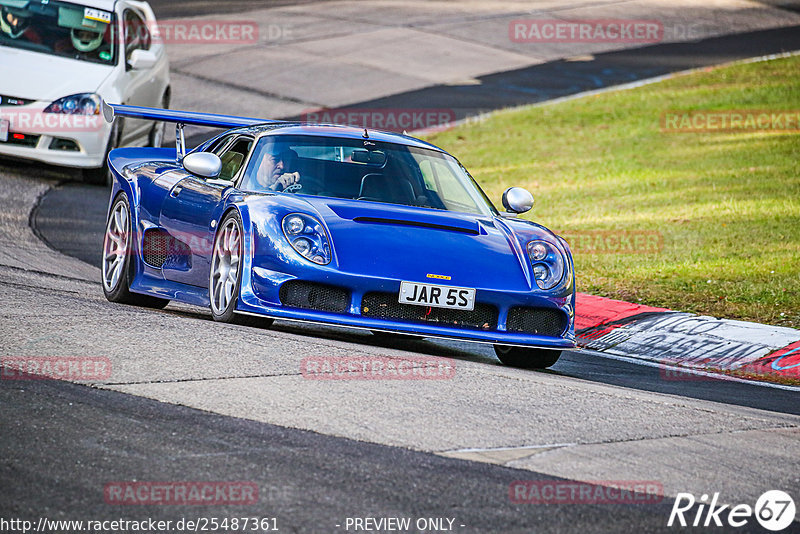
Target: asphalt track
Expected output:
[308,481]
[562,78]
[311,482]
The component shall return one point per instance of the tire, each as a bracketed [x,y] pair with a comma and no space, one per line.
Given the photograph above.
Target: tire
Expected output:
[526,358]
[102,175]
[156,136]
[225,277]
[117,268]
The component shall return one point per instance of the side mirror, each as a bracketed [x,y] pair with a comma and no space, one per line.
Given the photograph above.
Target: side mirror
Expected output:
[142,59]
[517,200]
[203,164]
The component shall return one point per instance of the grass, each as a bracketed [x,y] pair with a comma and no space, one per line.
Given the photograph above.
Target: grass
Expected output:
[727,205]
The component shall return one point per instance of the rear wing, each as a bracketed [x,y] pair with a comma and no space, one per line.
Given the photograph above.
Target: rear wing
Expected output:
[181,119]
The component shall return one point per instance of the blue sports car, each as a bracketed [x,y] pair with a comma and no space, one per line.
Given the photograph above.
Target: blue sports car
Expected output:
[336,225]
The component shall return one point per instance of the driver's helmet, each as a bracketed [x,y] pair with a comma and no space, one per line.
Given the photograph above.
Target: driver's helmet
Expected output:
[86,40]
[14,22]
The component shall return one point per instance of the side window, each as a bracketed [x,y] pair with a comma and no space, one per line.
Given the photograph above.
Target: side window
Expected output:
[446,185]
[136,32]
[427,175]
[233,157]
[219,146]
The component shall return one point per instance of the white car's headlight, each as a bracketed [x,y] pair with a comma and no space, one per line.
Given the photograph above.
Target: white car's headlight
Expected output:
[80,104]
[307,236]
[548,263]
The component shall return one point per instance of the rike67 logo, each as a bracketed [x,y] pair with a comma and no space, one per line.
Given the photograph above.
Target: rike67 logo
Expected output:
[774,510]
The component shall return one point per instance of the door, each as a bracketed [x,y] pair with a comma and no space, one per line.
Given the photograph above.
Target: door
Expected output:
[139,86]
[188,209]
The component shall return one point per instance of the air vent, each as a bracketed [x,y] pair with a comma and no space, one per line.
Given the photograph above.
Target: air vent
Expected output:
[313,296]
[540,321]
[385,306]
[419,224]
[155,247]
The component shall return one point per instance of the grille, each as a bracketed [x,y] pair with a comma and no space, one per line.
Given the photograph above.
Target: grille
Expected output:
[63,144]
[313,296]
[28,140]
[155,247]
[542,321]
[385,306]
[13,101]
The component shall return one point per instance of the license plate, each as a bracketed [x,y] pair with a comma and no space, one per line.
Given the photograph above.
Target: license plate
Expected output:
[459,298]
[3,130]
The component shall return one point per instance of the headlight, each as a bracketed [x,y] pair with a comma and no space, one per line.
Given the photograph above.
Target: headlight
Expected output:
[307,236]
[548,263]
[82,104]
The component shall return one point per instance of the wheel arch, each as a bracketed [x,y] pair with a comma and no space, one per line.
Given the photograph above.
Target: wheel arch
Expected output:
[247,243]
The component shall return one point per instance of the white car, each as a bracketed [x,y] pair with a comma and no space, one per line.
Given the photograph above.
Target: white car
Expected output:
[59,60]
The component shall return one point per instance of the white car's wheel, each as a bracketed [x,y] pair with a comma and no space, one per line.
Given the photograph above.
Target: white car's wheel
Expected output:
[117,263]
[226,273]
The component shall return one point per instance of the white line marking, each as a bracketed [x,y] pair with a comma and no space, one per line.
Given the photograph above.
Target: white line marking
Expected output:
[522,448]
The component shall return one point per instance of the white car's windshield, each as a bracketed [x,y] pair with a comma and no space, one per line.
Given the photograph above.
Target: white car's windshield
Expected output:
[364,170]
[58,28]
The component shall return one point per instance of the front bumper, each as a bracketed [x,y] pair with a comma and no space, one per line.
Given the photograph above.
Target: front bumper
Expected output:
[69,141]
[260,295]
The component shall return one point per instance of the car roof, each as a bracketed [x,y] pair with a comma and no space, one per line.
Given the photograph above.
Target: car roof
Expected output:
[335,130]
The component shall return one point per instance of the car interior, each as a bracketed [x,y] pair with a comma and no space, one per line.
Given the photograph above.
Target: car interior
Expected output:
[391,182]
[232,154]
[392,175]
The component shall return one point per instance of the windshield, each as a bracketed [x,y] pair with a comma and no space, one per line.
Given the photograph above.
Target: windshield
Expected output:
[365,170]
[58,28]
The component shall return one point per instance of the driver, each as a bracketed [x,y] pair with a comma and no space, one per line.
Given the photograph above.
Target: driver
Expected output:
[16,23]
[272,173]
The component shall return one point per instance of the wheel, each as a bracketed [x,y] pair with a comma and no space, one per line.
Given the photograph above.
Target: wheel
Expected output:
[226,274]
[117,269]
[156,136]
[102,175]
[394,336]
[526,358]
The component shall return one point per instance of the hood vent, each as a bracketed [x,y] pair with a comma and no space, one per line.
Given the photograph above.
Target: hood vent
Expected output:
[420,224]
